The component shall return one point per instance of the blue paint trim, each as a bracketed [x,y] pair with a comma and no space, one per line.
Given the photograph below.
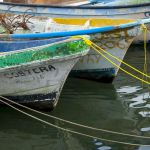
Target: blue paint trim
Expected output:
[73,7]
[127,25]
[62,34]
[100,1]
[6,46]
[73,33]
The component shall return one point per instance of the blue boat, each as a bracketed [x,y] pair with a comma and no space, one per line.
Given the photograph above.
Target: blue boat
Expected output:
[135,11]
[115,2]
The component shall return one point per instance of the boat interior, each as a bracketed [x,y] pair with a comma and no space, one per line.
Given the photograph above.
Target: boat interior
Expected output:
[94,22]
[38,25]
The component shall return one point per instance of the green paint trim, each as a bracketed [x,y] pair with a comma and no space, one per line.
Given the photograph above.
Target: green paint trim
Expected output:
[41,53]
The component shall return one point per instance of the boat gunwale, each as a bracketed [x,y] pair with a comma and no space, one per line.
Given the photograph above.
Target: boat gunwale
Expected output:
[51,60]
[75,32]
[77,7]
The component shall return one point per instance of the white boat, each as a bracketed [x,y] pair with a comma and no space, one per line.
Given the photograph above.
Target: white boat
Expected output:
[33,72]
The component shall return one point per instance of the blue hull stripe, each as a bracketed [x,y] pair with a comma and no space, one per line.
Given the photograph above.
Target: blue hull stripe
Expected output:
[72,33]
[6,46]
[42,6]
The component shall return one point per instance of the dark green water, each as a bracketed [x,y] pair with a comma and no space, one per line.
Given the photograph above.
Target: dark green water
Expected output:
[123,106]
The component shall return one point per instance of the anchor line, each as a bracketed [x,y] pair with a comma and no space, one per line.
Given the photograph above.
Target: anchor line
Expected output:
[69,130]
[73,123]
[99,50]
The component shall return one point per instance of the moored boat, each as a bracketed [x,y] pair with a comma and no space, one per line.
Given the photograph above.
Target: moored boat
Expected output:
[112,35]
[117,2]
[93,66]
[134,11]
[33,72]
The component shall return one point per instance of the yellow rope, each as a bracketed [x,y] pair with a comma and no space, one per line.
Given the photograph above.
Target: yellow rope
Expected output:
[145,49]
[90,43]
[145,56]
[97,49]
[134,76]
[73,123]
[69,130]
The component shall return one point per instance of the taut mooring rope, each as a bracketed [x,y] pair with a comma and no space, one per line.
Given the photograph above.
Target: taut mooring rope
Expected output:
[100,50]
[71,131]
[73,123]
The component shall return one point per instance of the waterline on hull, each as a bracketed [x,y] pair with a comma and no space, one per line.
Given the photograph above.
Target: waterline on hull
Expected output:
[105,75]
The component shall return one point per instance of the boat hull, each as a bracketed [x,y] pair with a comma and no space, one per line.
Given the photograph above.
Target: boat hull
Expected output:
[37,85]
[131,11]
[99,75]
[35,75]
[139,11]
[94,66]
